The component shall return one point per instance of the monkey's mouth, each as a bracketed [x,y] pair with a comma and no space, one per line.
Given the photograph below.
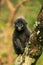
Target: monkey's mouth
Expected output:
[19,28]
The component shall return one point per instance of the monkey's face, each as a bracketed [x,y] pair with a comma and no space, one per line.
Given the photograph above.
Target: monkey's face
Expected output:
[20,24]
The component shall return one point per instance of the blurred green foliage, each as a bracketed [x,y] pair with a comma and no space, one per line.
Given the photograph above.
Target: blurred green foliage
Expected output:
[29,10]
[4,54]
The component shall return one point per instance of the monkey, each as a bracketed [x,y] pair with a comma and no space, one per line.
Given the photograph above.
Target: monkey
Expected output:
[21,35]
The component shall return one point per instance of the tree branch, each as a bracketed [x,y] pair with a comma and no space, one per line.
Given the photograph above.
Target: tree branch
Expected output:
[10,6]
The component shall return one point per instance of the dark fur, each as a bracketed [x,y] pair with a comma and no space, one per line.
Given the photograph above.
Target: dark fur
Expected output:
[20,38]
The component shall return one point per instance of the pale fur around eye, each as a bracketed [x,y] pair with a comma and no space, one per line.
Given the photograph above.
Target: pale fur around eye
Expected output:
[21,25]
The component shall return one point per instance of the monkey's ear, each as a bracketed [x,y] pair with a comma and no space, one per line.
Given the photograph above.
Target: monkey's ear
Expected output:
[14,24]
[26,23]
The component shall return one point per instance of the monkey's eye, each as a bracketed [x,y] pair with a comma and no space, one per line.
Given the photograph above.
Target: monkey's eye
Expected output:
[21,25]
